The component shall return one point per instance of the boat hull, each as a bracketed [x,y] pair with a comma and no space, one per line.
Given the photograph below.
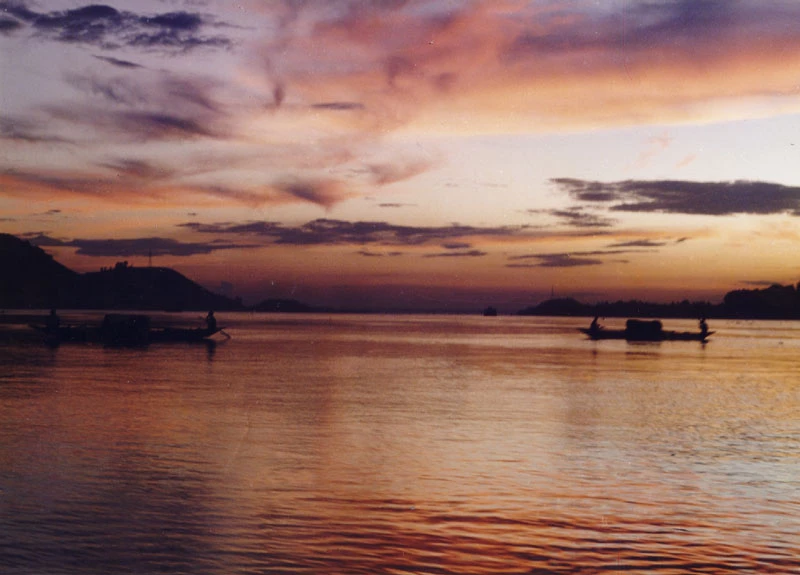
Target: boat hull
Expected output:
[598,334]
[126,338]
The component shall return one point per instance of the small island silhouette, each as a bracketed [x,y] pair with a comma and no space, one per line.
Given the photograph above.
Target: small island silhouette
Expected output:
[773,302]
[32,279]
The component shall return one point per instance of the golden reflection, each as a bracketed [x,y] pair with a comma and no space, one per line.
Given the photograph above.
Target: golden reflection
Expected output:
[395,445]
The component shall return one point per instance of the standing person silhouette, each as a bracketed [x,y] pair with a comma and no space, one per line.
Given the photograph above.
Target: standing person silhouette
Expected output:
[211,321]
[53,322]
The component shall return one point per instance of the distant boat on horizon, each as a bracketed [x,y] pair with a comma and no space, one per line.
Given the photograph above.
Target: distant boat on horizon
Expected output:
[490,311]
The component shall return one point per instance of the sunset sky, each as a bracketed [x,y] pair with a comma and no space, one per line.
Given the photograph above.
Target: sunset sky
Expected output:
[426,154]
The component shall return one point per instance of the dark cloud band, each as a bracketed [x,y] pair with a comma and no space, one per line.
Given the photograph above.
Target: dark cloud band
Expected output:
[337,232]
[154,246]
[458,254]
[106,27]
[557,260]
[685,197]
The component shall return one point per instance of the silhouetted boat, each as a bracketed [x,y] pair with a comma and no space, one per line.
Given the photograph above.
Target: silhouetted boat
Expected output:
[182,334]
[124,330]
[637,330]
[77,334]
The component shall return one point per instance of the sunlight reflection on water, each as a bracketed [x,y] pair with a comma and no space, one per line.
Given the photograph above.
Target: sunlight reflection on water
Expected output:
[386,444]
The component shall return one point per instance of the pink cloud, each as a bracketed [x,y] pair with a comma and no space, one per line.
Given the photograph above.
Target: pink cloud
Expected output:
[556,64]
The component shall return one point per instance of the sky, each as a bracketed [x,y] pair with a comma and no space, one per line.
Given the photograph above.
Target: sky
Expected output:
[409,154]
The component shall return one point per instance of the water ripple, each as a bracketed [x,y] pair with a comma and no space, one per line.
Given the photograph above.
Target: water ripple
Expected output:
[401,446]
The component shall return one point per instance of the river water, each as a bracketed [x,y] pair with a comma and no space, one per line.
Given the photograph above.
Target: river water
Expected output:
[403,444]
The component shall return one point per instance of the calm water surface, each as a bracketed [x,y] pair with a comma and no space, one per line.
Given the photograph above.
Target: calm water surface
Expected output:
[403,444]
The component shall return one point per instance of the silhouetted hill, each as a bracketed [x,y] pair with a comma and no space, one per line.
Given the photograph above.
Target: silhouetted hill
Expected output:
[127,287]
[31,278]
[774,302]
[633,308]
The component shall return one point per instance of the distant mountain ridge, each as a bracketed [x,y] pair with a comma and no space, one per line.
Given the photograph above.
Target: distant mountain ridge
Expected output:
[33,279]
[773,302]
[127,287]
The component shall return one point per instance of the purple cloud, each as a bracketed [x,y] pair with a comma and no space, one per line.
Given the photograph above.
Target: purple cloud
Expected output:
[106,27]
[155,246]
[337,232]
[686,197]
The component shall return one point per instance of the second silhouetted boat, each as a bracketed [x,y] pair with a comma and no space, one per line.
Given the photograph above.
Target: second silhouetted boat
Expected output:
[638,330]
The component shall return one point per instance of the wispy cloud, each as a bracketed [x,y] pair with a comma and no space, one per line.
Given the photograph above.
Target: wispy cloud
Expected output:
[325,193]
[458,254]
[53,212]
[119,63]
[156,246]
[638,244]
[137,182]
[337,106]
[119,91]
[578,217]
[557,260]
[26,131]
[49,185]
[383,174]
[159,126]
[337,232]
[581,258]
[156,91]
[633,61]
[9,25]
[137,169]
[655,146]
[373,254]
[154,107]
